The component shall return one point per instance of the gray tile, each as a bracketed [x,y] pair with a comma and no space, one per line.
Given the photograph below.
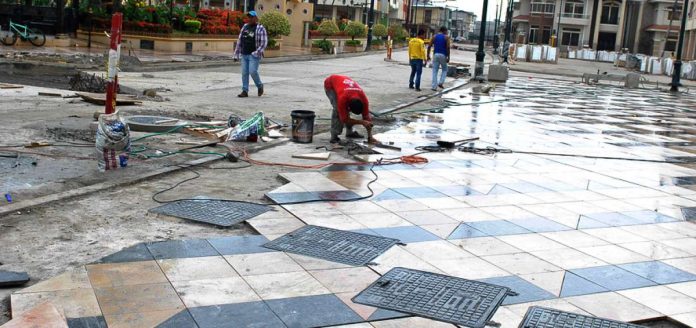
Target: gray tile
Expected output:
[313,311]
[239,315]
[176,249]
[234,245]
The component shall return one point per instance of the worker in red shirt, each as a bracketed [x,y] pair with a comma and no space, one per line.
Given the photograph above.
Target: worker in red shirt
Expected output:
[347,97]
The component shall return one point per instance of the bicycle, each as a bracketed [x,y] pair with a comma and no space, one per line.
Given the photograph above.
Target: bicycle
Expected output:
[33,35]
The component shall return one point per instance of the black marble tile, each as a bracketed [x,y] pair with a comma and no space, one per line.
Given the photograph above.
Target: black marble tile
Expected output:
[313,311]
[689,213]
[240,244]
[13,279]
[175,249]
[182,319]
[238,315]
[87,322]
[133,253]
[382,314]
[574,285]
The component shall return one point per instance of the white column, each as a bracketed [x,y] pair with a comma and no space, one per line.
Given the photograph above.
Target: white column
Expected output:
[639,27]
[334,12]
[595,37]
[622,18]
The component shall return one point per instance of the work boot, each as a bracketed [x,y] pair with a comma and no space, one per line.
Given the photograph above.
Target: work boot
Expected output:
[335,140]
[354,135]
[441,86]
[260,91]
[244,94]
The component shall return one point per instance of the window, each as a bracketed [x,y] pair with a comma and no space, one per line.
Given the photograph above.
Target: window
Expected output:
[610,12]
[674,13]
[533,34]
[542,7]
[570,37]
[546,35]
[427,16]
[574,9]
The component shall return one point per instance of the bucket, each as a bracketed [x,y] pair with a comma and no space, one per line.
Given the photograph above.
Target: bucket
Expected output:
[302,126]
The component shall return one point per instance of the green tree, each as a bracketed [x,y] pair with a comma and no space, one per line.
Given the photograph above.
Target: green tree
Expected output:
[328,28]
[356,29]
[276,23]
[379,30]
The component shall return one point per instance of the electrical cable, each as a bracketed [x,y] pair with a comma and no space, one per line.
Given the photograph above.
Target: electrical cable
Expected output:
[493,150]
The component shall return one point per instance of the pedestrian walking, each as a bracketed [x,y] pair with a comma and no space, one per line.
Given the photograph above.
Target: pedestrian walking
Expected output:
[347,98]
[251,43]
[416,57]
[441,57]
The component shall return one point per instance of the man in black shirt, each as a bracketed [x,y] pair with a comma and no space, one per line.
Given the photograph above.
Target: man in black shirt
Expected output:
[251,43]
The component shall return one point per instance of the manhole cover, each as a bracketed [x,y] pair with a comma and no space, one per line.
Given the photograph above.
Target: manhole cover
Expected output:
[431,295]
[217,212]
[333,245]
[539,317]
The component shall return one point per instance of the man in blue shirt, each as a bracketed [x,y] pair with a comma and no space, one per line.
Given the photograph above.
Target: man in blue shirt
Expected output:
[251,43]
[441,57]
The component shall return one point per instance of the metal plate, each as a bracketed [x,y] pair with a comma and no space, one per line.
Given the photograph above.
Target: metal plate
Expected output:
[217,212]
[431,295]
[345,247]
[539,317]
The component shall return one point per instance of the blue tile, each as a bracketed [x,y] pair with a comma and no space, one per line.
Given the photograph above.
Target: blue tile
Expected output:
[465,231]
[574,285]
[419,192]
[382,314]
[586,223]
[407,234]
[613,277]
[647,216]
[176,249]
[456,191]
[524,187]
[500,190]
[238,315]
[527,291]
[388,194]
[182,319]
[240,244]
[87,322]
[658,272]
[614,219]
[134,253]
[313,311]
[367,232]
[498,228]
[540,224]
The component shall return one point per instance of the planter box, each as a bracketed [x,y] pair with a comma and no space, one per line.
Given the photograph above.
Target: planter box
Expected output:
[353,48]
[377,47]
[316,51]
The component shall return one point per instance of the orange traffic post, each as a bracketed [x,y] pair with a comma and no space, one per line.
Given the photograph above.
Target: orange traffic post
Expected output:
[112,66]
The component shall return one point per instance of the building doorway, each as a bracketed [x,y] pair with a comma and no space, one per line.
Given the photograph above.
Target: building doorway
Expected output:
[606,41]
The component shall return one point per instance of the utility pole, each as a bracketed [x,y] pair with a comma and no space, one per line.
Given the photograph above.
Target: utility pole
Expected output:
[508,28]
[676,75]
[495,30]
[558,26]
[480,55]
[370,22]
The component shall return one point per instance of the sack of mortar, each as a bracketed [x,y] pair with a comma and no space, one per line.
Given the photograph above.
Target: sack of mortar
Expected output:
[249,130]
[113,142]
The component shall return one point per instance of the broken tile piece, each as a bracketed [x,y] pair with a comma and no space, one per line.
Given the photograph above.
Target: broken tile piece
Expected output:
[13,279]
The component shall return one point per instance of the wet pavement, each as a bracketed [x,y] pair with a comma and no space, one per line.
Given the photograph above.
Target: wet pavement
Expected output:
[575,197]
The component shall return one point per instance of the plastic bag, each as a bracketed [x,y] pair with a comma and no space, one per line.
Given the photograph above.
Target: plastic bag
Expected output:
[250,129]
[113,142]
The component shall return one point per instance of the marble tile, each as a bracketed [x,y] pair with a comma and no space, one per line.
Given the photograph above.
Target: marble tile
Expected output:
[443,231]
[469,214]
[615,235]
[203,292]
[613,254]
[239,244]
[531,242]
[133,253]
[483,246]
[662,299]
[249,314]
[145,319]
[574,285]
[191,268]
[652,232]
[568,258]
[313,263]
[406,234]
[687,264]
[75,303]
[363,311]
[658,272]
[262,263]
[437,250]
[686,245]
[470,268]
[520,263]
[171,249]
[412,322]
[613,277]
[285,285]
[498,228]
[688,319]
[137,299]
[87,322]
[125,274]
[275,226]
[539,224]
[313,311]
[464,231]
[509,212]
[686,288]
[380,220]
[549,281]
[73,279]
[613,306]
[526,291]
[428,217]
[575,238]
[398,257]
[44,315]
[657,250]
[345,280]
[559,304]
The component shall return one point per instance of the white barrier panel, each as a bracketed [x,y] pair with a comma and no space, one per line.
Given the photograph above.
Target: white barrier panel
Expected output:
[551,54]
[521,54]
[572,54]
[655,65]
[668,66]
[537,53]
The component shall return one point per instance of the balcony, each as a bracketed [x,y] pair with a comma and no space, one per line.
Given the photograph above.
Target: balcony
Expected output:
[575,19]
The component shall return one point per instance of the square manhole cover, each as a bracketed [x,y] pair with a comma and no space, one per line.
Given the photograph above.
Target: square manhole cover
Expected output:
[217,212]
[340,246]
[431,295]
[539,317]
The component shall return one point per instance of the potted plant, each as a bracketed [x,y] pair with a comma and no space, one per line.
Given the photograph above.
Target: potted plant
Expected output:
[354,29]
[326,29]
[379,31]
[276,25]
[192,26]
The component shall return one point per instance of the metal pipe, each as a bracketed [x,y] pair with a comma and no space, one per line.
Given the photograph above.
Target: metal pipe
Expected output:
[676,75]
[480,55]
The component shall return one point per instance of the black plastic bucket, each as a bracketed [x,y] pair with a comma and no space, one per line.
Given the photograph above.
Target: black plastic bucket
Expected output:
[302,125]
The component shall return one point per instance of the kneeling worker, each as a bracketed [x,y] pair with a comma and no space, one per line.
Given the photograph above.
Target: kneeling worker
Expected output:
[347,97]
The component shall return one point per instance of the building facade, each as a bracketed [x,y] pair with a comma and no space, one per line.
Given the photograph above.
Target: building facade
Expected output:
[462,24]
[642,26]
[356,10]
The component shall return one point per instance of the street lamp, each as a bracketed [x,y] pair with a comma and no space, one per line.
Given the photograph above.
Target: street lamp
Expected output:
[676,75]
[370,22]
[480,55]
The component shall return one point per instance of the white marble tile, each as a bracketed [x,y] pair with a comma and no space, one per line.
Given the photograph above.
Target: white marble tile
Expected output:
[662,299]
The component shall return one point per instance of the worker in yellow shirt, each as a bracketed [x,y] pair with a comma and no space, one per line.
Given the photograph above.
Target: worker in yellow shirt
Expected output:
[417,59]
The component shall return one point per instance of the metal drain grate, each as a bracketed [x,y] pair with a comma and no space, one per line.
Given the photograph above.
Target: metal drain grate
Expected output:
[345,247]
[539,317]
[217,212]
[431,295]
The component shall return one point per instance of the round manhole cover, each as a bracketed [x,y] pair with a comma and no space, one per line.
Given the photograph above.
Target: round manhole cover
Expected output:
[148,123]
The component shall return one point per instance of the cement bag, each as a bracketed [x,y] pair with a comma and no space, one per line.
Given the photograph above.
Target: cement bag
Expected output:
[113,142]
[250,129]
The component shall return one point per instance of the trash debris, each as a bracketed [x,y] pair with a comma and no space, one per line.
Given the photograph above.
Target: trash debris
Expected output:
[87,83]
[249,130]
[50,94]
[318,156]
[8,198]
[10,86]
[13,279]
[452,144]
[218,134]
[275,134]
[385,146]
[113,142]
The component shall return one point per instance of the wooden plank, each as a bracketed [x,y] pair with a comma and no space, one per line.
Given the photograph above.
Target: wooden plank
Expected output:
[10,86]
[100,99]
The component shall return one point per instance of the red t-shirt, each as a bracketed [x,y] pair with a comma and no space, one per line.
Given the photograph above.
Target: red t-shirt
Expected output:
[346,89]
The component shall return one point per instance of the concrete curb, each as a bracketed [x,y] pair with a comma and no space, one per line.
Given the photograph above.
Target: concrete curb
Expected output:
[84,191]
[399,107]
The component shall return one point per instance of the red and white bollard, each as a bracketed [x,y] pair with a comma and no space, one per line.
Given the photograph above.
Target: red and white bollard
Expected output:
[112,66]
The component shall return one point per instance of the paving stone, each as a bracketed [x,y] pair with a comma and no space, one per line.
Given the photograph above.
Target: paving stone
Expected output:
[13,279]
[88,322]
[133,253]
[173,249]
[313,311]
[612,277]
[658,272]
[239,315]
